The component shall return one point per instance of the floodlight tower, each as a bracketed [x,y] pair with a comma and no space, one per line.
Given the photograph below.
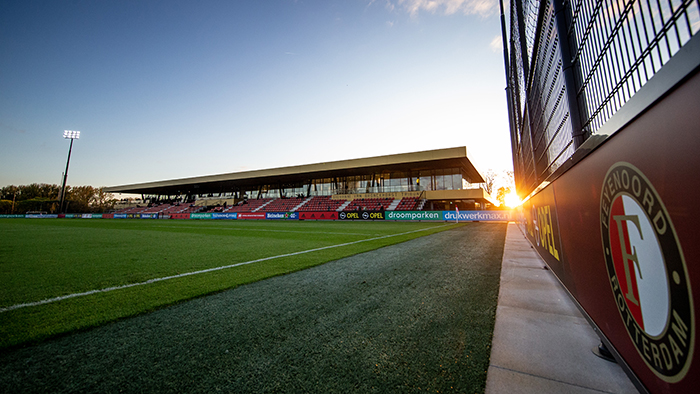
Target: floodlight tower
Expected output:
[72,135]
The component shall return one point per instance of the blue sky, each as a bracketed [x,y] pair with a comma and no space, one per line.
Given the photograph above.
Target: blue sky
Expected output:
[172,89]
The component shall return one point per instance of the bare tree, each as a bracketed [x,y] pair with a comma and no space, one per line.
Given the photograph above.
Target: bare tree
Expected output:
[490,179]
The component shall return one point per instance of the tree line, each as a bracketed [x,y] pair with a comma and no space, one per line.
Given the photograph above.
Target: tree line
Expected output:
[42,197]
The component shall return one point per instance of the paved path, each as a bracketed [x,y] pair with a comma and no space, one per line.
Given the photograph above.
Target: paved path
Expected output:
[541,342]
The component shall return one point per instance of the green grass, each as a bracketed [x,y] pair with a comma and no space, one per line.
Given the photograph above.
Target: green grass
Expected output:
[414,317]
[43,259]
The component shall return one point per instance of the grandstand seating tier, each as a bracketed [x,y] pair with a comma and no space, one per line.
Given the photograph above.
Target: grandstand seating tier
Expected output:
[248,206]
[316,203]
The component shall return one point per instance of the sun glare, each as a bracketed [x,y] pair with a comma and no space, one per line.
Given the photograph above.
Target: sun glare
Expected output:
[512,200]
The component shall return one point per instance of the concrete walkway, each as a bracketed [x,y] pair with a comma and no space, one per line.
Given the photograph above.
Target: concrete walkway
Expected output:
[541,342]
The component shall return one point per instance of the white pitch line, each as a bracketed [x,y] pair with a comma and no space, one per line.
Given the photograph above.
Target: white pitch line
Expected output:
[108,289]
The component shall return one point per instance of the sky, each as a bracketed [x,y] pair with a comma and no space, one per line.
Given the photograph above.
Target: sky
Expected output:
[171,89]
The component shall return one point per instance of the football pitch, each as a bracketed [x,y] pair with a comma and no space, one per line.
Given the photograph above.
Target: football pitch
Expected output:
[63,275]
[381,315]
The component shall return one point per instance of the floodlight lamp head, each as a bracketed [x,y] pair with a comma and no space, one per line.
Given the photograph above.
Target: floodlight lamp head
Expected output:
[71,134]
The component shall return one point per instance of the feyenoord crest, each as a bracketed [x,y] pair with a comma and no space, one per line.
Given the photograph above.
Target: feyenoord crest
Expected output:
[647,272]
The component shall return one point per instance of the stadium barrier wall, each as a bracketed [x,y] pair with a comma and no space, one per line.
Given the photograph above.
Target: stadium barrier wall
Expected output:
[464,216]
[135,216]
[361,215]
[414,215]
[282,215]
[318,215]
[603,108]
[251,215]
[88,215]
[146,216]
[478,216]
[618,231]
[179,216]
[224,215]
[200,216]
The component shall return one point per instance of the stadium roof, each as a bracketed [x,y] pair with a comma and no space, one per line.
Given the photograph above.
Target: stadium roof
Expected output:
[303,174]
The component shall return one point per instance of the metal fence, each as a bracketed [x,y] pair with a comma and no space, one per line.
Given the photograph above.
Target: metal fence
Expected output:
[571,65]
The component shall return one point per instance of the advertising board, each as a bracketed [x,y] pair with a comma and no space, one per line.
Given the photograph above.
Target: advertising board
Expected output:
[224,215]
[282,215]
[413,215]
[6,216]
[481,216]
[318,215]
[361,215]
[200,216]
[251,215]
[119,216]
[41,216]
[146,216]
[91,216]
[179,216]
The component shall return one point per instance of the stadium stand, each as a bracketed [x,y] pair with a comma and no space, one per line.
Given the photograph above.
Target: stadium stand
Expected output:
[156,208]
[321,203]
[369,204]
[248,205]
[163,209]
[446,175]
[408,204]
[295,204]
[132,210]
[298,204]
[284,204]
[180,208]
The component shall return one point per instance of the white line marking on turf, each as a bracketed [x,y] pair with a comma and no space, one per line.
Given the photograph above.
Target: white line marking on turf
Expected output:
[223,267]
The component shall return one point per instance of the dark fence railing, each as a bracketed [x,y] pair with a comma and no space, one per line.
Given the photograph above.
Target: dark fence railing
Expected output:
[573,64]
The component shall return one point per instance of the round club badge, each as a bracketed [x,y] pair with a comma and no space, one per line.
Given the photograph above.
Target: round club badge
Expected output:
[647,272]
